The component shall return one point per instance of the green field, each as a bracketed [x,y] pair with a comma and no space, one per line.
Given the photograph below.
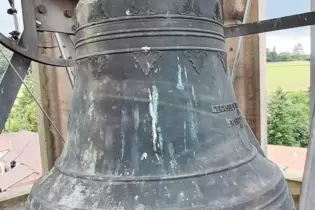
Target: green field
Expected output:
[290,76]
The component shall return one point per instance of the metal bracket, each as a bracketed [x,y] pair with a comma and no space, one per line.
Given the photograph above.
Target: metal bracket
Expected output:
[32,56]
[25,50]
[55,16]
[293,21]
[30,48]
[66,48]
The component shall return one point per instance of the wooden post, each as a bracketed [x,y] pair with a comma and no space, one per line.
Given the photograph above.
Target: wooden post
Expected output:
[250,82]
[54,91]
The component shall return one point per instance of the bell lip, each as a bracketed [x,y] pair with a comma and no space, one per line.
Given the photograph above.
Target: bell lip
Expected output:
[274,193]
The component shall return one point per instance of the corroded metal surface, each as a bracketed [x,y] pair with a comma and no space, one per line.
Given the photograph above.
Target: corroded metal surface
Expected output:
[154,122]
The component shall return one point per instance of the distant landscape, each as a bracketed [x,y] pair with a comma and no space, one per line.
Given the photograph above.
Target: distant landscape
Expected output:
[289,75]
[288,83]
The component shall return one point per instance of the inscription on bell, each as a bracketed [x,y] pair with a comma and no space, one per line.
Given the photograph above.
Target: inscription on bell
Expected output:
[234,122]
[224,108]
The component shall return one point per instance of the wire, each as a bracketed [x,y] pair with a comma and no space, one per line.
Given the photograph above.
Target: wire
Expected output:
[28,90]
[13,162]
[22,150]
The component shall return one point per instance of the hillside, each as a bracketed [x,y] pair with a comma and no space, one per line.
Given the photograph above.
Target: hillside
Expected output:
[290,76]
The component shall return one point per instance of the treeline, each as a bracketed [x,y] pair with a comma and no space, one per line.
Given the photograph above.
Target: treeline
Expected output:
[297,54]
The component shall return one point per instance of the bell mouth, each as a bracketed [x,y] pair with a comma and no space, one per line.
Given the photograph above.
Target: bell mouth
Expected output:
[235,190]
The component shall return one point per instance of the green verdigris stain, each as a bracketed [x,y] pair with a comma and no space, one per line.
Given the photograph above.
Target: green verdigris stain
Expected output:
[157,137]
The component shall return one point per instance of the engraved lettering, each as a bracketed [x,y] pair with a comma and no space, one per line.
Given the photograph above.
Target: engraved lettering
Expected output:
[234,122]
[224,108]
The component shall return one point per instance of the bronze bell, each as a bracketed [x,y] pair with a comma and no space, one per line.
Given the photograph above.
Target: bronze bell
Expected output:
[154,121]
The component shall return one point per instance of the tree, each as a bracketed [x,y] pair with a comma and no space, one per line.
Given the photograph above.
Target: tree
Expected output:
[298,52]
[274,55]
[280,123]
[285,56]
[268,55]
[300,112]
[23,112]
[288,118]
[298,49]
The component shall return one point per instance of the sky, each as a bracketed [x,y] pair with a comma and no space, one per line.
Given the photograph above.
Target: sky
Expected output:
[283,40]
[286,39]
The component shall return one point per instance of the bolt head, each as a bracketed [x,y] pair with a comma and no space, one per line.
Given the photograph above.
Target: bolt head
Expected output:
[68,13]
[41,9]
[38,23]
[11,11]
[75,26]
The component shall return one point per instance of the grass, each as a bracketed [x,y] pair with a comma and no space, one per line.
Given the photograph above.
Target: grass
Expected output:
[290,76]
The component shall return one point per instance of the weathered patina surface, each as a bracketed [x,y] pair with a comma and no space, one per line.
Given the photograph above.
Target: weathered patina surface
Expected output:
[154,121]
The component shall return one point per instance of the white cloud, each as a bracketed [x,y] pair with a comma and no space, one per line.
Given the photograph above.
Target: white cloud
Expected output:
[284,41]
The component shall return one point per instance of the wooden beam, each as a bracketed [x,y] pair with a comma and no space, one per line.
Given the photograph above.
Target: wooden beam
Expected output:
[55,93]
[250,82]
[45,139]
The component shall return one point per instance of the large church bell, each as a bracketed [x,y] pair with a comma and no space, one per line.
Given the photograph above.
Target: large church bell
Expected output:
[154,121]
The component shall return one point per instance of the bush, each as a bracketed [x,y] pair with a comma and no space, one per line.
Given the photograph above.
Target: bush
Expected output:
[300,112]
[288,118]
[285,56]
